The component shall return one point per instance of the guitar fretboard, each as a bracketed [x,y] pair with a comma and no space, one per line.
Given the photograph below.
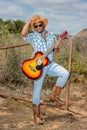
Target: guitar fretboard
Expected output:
[49,50]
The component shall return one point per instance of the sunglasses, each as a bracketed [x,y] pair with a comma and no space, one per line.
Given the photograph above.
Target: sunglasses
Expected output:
[39,25]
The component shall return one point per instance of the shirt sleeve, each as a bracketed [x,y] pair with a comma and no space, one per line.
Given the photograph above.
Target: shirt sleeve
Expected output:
[29,38]
[55,38]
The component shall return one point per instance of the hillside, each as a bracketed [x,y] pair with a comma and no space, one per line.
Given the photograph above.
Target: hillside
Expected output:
[83,33]
[80,42]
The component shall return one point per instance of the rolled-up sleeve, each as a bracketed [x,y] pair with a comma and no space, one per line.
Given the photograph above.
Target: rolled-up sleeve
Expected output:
[29,38]
[55,38]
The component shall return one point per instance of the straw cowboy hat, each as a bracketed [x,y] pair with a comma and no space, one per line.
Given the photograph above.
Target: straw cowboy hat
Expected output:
[38,19]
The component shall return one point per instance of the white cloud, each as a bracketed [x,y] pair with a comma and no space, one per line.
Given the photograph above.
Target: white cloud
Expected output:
[10,10]
[62,14]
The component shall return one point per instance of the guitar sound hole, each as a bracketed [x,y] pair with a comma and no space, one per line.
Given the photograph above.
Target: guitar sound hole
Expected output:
[39,67]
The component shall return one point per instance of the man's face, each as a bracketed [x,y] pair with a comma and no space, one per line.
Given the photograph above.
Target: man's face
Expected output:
[39,27]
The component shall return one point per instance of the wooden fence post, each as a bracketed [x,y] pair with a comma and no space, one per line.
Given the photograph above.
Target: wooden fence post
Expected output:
[69,69]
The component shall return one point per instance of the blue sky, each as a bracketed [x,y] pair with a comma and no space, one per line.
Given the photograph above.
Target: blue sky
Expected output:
[70,15]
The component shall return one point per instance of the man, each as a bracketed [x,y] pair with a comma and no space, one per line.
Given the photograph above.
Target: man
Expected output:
[41,40]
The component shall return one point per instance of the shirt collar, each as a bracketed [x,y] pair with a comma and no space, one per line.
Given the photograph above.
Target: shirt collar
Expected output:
[40,33]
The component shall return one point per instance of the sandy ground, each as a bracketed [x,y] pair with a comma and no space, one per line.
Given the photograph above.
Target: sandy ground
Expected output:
[18,115]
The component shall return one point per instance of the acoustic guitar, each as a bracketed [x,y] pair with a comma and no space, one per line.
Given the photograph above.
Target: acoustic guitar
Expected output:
[33,68]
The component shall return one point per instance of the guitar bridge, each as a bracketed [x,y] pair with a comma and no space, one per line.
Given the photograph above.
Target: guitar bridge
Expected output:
[32,68]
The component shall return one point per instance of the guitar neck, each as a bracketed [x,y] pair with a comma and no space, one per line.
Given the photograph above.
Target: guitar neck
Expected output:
[49,50]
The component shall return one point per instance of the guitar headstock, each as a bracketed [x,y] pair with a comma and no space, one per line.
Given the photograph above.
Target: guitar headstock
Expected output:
[64,35]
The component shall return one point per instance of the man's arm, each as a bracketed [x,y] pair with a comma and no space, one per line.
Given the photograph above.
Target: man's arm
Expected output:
[27,26]
[56,47]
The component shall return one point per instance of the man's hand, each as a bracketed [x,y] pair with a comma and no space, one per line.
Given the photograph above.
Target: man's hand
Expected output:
[56,47]
[28,25]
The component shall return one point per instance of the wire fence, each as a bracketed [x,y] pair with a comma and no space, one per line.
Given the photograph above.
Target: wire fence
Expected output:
[5,48]
[69,68]
[13,47]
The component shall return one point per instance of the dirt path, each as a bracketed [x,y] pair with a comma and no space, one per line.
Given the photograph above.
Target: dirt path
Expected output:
[17,115]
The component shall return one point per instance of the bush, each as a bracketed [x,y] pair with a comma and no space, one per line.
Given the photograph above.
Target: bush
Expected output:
[11,71]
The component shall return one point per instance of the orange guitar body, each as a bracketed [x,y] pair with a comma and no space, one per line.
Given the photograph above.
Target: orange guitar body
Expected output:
[30,67]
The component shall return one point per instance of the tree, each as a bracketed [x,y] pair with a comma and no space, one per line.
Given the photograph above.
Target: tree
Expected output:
[18,25]
[10,26]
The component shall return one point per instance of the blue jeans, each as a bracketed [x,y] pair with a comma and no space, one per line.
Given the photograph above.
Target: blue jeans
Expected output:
[52,69]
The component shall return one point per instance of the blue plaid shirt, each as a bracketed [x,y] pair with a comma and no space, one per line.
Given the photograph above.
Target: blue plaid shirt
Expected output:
[39,43]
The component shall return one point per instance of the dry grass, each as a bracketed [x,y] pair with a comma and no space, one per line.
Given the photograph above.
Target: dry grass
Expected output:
[18,115]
